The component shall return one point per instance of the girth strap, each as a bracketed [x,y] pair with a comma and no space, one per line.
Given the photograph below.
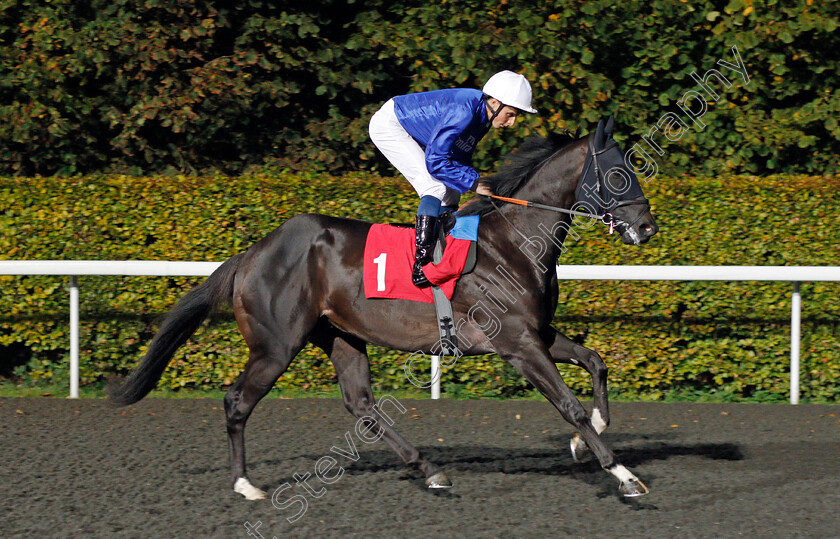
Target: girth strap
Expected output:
[443,310]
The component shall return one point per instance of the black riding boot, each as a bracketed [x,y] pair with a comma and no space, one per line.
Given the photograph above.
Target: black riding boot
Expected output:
[424,240]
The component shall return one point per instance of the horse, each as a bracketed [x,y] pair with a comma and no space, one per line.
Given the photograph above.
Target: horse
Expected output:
[303,282]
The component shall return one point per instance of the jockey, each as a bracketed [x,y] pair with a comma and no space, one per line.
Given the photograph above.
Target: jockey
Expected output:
[430,137]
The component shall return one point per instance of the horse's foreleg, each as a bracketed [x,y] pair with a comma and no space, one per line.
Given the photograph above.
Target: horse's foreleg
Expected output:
[537,365]
[564,350]
[351,363]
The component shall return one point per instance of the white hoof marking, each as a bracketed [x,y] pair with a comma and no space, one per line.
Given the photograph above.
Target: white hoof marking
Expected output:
[578,447]
[244,487]
[598,421]
[622,474]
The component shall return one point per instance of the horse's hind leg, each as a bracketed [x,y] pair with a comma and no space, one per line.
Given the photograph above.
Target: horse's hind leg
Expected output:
[564,350]
[349,356]
[268,360]
[252,385]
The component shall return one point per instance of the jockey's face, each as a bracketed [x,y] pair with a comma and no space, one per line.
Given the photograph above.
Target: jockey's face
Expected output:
[506,118]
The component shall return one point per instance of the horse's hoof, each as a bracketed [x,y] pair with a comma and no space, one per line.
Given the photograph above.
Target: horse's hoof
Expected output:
[578,447]
[633,488]
[439,480]
[244,487]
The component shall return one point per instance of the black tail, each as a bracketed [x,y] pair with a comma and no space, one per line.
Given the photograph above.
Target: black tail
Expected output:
[178,325]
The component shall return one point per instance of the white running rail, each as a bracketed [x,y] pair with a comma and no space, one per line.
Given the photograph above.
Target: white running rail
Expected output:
[74,268]
[793,274]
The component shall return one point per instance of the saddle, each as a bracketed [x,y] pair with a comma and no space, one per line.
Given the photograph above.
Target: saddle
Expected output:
[446,224]
[389,256]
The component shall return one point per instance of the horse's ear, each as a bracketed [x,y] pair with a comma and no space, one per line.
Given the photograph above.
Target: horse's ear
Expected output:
[599,135]
[610,128]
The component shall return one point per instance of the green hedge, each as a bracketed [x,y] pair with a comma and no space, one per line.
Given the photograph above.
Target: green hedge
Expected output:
[181,85]
[658,338]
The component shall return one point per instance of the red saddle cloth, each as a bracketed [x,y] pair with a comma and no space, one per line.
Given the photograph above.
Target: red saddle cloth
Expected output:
[389,258]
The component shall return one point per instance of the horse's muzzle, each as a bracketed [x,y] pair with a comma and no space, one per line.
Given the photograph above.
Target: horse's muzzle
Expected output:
[636,235]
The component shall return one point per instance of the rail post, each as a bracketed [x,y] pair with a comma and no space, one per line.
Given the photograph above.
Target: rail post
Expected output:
[435,377]
[795,314]
[74,337]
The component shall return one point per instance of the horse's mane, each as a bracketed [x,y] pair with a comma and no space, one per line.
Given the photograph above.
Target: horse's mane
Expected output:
[518,167]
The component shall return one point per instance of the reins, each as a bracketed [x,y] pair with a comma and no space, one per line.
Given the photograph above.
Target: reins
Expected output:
[529,204]
[606,218]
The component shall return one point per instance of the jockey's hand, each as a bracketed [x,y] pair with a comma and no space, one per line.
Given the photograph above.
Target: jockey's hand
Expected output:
[483,189]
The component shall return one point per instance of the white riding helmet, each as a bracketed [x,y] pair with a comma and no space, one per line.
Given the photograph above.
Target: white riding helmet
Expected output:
[510,89]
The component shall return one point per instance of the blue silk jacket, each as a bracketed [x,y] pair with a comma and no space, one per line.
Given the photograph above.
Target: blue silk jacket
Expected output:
[448,124]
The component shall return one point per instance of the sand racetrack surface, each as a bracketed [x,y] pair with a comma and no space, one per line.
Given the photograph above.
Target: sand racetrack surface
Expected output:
[159,469]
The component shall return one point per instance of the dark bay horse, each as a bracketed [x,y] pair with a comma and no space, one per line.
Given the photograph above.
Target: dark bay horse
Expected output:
[303,283]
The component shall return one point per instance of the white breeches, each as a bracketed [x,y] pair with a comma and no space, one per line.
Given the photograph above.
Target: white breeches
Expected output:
[407,155]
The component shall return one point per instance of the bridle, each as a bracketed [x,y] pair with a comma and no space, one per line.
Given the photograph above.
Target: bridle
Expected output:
[606,217]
